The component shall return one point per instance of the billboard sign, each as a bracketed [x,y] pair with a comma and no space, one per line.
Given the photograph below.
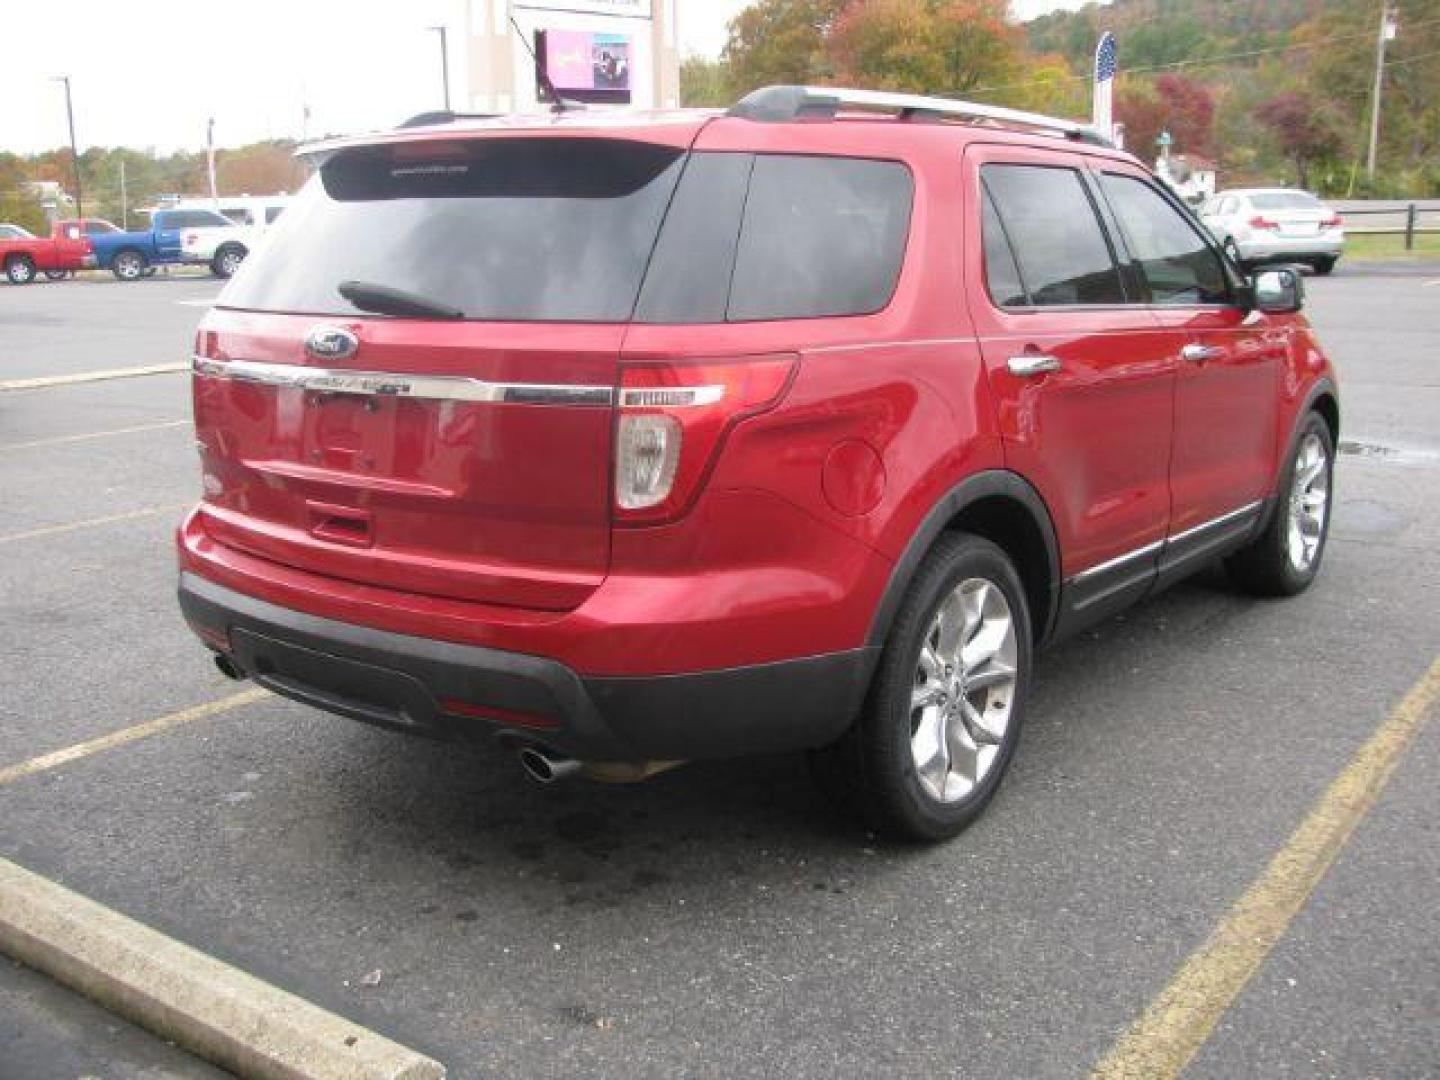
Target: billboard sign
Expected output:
[587,66]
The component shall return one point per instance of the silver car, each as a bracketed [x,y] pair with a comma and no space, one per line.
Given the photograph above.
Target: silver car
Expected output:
[1269,225]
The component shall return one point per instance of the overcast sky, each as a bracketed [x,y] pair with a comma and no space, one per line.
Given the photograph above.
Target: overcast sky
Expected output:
[149,72]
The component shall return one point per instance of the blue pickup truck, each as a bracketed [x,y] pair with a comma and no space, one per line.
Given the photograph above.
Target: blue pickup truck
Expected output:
[132,255]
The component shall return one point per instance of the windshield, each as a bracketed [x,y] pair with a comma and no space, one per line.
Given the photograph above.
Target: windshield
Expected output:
[1285,200]
[553,229]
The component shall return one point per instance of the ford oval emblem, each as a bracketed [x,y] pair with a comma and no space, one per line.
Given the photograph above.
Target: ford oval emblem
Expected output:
[331,343]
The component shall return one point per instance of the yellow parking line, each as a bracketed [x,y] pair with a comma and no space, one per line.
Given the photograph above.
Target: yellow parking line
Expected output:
[1179,1021]
[54,760]
[59,439]
[91,376]
[90,523]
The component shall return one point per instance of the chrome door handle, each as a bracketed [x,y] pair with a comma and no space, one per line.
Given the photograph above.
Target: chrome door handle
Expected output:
[1027,367]
[1200,354]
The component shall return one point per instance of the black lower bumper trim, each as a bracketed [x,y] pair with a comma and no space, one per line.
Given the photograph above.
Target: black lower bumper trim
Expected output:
[398,681]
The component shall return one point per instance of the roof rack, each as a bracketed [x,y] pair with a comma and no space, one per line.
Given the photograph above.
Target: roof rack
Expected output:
[777,104]
[442,116]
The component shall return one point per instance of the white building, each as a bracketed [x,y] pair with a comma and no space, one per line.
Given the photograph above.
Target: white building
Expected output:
[602,52]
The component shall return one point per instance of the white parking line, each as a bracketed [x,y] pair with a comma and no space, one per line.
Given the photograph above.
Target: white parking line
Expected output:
[198,303]
[85,437]
[1432,284]
[91,376]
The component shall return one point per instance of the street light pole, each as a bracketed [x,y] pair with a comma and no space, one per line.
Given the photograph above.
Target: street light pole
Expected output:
[1387,34]
[444,65]
[74,153]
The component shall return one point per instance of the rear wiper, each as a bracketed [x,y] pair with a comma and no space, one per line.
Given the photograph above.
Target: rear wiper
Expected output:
[383,300]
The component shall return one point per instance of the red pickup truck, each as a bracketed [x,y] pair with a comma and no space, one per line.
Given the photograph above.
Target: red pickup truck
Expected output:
[66,248]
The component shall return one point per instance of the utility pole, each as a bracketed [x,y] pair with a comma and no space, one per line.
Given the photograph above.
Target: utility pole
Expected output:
[74,153]
[444,65]
[1388,28]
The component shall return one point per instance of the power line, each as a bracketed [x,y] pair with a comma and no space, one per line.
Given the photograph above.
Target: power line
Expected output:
[1201,61]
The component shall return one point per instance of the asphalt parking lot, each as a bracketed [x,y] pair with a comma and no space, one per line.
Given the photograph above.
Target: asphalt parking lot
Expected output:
[719,920]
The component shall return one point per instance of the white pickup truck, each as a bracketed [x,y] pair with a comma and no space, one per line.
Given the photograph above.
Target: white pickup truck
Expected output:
[223,250]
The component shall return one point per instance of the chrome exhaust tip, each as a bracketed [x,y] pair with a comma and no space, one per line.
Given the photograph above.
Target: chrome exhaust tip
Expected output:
[544,769]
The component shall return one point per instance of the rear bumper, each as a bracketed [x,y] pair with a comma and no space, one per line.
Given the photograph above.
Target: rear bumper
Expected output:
[1279,249]
[444,689]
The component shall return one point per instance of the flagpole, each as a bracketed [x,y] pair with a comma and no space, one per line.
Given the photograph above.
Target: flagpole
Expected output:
[210,160]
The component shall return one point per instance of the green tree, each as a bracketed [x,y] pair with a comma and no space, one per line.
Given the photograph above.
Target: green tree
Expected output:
[17,205]
[705,82]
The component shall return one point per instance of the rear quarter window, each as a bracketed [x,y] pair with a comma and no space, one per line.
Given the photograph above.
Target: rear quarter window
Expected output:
[820,237]
[756,237]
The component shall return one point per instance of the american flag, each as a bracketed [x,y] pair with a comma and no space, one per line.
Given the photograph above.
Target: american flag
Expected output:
[1106,59]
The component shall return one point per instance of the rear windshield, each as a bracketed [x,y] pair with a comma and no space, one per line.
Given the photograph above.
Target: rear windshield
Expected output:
[501,229]
[570,230]
[1284,200]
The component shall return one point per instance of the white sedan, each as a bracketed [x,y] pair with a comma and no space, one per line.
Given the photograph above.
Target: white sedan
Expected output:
[1270,225]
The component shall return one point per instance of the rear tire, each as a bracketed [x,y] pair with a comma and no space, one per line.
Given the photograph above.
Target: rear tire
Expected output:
[1324,267]
[942,718]
[1232,251]
[20,269]
[1284,559]
[129,265]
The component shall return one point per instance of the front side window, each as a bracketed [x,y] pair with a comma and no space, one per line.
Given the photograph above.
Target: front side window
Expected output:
[1061,251]
[1179,266]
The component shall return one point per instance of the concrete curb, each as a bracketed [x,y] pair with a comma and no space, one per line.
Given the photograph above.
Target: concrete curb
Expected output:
[211,1009]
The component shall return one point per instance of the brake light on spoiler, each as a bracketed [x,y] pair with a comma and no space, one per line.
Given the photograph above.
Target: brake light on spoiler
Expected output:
[673,418]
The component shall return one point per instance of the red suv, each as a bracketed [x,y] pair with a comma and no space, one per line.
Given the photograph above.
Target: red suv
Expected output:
[637,439]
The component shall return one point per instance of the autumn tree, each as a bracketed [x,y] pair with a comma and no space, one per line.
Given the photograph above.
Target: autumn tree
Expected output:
[780,41]
[947,47]
[17,205]
[1306,131]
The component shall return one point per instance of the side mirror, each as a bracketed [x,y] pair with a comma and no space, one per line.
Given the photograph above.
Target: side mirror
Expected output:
[1280,291]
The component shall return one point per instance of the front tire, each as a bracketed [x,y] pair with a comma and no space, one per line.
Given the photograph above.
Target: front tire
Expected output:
[20,269]
[942,718]
[1232,252]
[129,266]
[227,260]
[1284,559]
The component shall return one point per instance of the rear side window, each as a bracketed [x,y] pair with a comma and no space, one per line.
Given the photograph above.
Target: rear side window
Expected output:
[1002,275]
[524,229]
[1178,265]
[1061,251]
[821,236]
[191,219]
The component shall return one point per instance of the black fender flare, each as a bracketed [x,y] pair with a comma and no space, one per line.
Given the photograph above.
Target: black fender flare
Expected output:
[971,490]
[1322,387]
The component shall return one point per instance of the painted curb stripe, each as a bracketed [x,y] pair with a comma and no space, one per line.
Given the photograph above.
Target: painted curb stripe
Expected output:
[54,760]
[1177,1024]
[90,523]
[90,376]
[215,1011]
[59,440]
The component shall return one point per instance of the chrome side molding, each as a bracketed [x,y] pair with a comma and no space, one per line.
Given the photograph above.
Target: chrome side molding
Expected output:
[395,384]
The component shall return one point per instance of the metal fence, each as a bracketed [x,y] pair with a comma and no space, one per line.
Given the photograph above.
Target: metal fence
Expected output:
[1407,219]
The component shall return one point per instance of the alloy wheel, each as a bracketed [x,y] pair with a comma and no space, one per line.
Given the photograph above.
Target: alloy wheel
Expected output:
[1309,502]
[964,690]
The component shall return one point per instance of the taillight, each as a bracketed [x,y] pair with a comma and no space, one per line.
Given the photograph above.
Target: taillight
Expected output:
[673,418]
[1334,221]
[1263,223]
